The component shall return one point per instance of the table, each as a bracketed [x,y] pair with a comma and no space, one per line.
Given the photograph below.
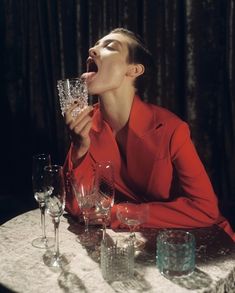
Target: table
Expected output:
[22,268]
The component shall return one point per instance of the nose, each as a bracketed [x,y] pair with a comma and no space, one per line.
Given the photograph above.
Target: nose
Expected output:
[93,52]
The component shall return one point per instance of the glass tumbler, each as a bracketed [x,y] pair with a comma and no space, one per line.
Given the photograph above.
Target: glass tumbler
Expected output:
[175,253]
[117,261]
[72,90]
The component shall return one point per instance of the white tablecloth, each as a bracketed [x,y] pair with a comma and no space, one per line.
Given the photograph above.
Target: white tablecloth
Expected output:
[22,268]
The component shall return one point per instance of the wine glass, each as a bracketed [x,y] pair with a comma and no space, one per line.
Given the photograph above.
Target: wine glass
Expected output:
[128,214]
[38,164]
[72,90]
[104,174]
[55,203]
[86,195]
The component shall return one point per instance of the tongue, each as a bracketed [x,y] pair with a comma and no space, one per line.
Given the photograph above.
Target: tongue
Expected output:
[88,75]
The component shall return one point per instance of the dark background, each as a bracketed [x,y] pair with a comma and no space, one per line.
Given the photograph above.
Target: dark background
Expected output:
[44,40]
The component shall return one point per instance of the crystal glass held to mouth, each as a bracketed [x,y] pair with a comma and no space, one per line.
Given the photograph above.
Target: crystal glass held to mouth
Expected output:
[72,90]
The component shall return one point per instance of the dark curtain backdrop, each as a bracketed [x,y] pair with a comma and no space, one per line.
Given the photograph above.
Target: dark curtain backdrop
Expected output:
[44,40]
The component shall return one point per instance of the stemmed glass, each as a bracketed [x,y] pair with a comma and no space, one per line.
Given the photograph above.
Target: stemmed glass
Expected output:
[38,164]
[86,195]
[128,214]
[104,174]
[72,90]
[55,203]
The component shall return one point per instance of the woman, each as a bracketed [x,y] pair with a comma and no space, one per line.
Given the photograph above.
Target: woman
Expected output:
[154,159]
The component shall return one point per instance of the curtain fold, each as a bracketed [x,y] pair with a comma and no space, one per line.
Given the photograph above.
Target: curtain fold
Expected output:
[193,46]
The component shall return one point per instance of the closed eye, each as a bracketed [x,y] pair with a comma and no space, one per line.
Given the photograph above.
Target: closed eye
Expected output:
[111,45]
[110,48]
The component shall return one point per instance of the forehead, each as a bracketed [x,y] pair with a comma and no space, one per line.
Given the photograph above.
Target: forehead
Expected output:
[120,38]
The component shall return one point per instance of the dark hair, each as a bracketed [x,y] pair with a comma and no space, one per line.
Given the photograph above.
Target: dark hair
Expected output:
[138,53]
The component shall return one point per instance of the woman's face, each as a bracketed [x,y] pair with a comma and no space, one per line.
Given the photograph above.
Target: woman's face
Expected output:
[107,64]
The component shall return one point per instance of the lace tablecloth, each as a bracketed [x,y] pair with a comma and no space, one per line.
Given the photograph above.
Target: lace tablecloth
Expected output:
[22,268]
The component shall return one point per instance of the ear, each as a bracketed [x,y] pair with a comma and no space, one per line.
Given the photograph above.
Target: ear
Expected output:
[135,70]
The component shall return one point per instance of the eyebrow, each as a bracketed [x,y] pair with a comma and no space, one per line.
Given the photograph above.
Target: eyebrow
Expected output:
[110,41]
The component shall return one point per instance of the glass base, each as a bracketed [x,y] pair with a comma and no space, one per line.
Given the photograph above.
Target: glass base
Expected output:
[44,243]
[168,273]
[139,245]
[90,238]
[50,259]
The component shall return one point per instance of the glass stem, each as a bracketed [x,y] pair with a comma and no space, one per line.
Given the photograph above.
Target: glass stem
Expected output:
[104,229]
[42,207]
[86,220]
[132,234]
[56,226]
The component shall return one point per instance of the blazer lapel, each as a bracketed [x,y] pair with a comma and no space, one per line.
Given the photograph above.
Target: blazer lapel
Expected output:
[143,147]
[102,136]
[143,144]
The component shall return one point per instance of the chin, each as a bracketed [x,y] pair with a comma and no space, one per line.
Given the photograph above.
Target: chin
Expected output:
[91,89]
[101,87]
[92,92]
[95,90]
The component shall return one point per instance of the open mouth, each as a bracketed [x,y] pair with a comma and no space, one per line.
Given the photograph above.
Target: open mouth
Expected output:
[91,70]
[91,65]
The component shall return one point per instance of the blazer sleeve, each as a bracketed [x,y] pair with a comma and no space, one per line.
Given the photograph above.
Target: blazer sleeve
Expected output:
[197,206]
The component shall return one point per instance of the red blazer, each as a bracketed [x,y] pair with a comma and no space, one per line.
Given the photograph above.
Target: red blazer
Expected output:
[162,169]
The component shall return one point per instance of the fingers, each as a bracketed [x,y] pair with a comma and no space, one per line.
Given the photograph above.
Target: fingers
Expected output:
[68,114]
[79,123]
[86,129]
[70,120]
[83,127]
[79,128]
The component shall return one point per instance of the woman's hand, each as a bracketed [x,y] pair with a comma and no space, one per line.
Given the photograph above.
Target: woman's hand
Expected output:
[79,129]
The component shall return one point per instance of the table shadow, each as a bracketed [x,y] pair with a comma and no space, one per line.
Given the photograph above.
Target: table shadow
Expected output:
[71,283]
[135,284]
[197,280]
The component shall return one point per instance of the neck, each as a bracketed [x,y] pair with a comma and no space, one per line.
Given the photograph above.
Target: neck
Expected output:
[115,108]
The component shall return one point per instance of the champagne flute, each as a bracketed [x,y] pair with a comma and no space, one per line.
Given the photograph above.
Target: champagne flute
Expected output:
[86,195]
[39,162]
[128,214]
[104,174]
[55,203]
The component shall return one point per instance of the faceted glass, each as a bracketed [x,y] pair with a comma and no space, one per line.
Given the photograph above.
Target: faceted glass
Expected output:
[71,91]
